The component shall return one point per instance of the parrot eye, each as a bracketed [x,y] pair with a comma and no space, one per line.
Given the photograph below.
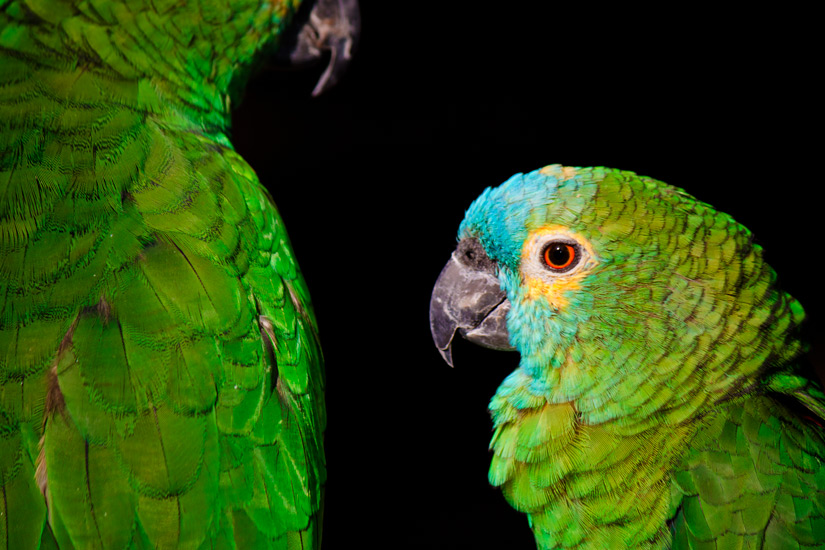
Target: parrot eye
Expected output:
[554,253]
[560,256]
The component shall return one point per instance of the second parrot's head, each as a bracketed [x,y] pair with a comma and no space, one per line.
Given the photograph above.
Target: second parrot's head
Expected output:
[607,282]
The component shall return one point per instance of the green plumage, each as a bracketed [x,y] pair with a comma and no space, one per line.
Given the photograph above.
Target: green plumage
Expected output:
[161,382]
[657,403]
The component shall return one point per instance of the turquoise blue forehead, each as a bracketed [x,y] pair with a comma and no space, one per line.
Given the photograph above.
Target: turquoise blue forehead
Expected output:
[499,216]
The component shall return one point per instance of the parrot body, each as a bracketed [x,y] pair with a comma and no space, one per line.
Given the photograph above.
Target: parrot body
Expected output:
[657,403]
[161,381]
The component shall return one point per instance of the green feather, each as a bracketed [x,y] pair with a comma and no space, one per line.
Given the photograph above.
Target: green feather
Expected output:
[161,381]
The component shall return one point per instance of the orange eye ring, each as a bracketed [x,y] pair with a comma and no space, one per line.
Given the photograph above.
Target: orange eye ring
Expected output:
[560,256]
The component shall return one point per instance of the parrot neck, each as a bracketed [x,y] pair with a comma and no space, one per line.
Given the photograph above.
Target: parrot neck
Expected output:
[184,58]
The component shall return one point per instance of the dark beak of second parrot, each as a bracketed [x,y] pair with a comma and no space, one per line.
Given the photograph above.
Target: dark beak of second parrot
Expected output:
[468,299]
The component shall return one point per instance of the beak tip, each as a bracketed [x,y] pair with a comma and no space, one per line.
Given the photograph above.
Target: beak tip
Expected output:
[447,355]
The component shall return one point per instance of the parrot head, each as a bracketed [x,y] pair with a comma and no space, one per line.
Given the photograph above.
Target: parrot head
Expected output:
[622,294]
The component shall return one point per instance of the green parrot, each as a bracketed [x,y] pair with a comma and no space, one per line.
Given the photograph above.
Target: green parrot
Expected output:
[658,401]
[161,380]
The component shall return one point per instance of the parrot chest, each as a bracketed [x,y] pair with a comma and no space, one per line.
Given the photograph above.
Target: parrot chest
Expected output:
[586,486]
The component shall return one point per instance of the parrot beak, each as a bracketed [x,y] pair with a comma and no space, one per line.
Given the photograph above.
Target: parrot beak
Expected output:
[468,299]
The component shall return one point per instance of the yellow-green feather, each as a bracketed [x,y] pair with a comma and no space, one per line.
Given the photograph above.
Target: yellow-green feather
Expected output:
[161,382]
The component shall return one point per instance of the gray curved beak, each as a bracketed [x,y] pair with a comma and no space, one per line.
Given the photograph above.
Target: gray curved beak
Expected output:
[468,299]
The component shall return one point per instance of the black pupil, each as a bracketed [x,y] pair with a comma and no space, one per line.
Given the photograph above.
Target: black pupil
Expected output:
[558,254]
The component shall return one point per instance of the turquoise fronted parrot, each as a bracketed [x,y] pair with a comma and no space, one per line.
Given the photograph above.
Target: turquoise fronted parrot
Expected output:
[161,380]
[659,400]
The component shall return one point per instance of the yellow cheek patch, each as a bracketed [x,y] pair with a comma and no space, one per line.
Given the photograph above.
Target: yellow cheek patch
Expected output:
[539,281]
[553,292]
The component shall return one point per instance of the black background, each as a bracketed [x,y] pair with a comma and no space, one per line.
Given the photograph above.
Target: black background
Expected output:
[445,99]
